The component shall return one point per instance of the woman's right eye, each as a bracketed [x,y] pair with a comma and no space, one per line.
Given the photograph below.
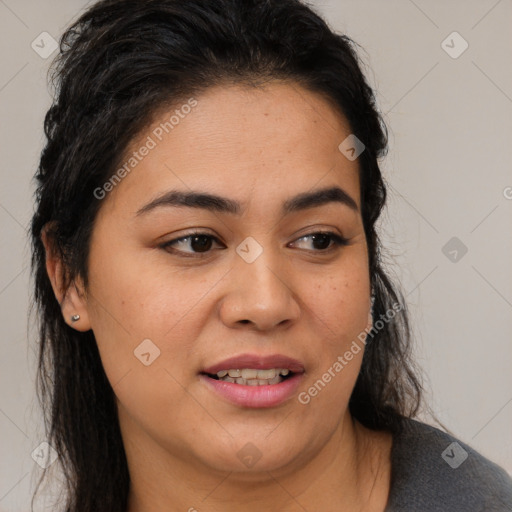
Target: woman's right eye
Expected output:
[196,243]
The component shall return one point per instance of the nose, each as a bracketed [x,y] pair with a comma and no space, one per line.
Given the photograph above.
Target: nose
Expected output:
[260,295]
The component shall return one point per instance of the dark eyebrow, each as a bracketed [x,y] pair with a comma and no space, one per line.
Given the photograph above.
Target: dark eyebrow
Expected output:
[319,198]
[193,200]
[216,203]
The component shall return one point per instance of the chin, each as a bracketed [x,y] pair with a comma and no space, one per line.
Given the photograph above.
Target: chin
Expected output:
[250,457]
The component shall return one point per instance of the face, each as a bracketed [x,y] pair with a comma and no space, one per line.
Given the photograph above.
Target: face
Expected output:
[271,272]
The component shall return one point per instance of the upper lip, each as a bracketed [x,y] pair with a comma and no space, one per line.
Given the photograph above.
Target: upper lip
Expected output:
[256,362]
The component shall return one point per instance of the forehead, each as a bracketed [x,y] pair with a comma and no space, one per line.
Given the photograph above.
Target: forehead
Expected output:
[241,141]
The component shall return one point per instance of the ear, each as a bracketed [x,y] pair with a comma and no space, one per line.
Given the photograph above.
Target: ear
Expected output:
[70,296]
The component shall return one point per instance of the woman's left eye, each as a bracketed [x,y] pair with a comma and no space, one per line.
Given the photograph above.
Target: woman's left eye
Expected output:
[323,241]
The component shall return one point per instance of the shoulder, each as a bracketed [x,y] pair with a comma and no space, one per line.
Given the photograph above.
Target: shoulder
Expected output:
[432,471]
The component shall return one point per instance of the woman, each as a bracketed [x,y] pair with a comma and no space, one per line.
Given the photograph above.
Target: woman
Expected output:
[216,328]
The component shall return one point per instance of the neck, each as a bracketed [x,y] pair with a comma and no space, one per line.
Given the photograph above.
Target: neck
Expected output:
[351,472]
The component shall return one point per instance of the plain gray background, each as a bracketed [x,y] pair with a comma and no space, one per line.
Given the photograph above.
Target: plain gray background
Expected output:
[449,175]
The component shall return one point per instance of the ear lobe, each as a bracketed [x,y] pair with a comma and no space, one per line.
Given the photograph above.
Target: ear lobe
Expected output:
[74,303]
[70,296]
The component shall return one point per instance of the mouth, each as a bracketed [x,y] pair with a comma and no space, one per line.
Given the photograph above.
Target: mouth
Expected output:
[252,376]
[254,381]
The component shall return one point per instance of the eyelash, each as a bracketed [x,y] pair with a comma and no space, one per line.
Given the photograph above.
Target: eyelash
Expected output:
[337,240]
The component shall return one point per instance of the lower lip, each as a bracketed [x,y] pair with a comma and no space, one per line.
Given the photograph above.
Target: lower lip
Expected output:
[269,395]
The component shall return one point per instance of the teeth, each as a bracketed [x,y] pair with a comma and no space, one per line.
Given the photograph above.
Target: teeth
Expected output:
[252,377]
[249,374]
[267,374]
[275,380]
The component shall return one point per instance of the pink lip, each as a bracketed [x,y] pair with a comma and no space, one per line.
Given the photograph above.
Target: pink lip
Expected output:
[257,363]
[269,395]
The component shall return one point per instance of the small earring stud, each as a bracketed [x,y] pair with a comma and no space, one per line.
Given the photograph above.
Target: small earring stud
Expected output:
[75,318]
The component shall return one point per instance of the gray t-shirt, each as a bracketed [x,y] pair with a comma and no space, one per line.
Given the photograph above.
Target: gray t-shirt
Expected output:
[434,472]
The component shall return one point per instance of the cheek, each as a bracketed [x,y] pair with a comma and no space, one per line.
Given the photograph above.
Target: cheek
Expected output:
[131,304]
[146,329]
[341,303]
[341,307]
[138,294]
